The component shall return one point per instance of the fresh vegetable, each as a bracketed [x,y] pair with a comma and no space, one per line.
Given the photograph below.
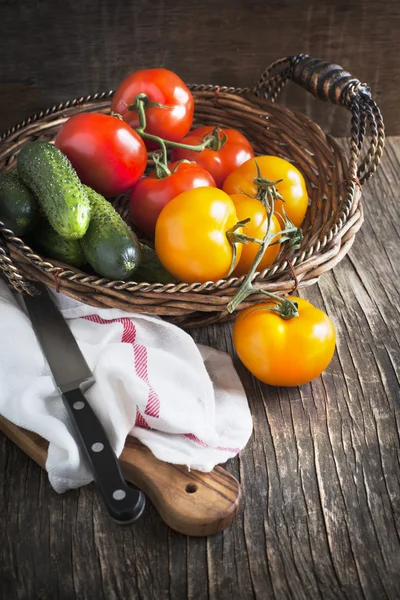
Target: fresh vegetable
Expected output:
[150,268]
[246,179]
[60,194]
[195,235]
[18,207]
[151,194]
[46,240]
[110,246]
[284,352]
[170,121]
[230,150]
[256,228]
[107,154]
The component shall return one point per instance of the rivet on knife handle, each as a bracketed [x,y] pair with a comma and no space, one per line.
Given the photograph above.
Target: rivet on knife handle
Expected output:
[124,504]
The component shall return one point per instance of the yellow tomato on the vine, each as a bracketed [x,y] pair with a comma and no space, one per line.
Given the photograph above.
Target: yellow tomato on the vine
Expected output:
[256,228]
[292,187]
[191,238]
[284,352]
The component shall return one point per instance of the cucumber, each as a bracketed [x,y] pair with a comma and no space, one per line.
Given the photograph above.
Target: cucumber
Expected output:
[19,210]
[150,269]
[53,245]
[110,246]
[61,196]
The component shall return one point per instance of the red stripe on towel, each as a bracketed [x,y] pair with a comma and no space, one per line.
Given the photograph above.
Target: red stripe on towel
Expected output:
[140,355]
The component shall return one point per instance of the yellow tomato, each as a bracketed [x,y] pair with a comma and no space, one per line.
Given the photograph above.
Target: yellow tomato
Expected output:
[284,352]
[257,227]
[191,240]
[292,187]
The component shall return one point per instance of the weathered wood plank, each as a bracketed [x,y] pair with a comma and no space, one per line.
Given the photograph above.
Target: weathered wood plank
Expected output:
[320,476]
[54,51]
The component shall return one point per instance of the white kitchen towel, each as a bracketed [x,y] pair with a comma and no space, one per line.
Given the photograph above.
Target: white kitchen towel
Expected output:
[184,401]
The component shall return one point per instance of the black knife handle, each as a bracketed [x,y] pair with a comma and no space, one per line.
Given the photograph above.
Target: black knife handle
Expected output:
[124,504]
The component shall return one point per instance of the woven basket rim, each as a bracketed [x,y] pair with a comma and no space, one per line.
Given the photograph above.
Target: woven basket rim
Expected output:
[280,267]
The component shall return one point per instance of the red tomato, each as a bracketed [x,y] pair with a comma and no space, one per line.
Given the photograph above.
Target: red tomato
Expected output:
[220,163]
[150,195]
[105,152]
[164,87]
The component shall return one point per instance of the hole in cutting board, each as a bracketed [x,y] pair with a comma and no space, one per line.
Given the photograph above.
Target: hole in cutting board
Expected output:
[191,488]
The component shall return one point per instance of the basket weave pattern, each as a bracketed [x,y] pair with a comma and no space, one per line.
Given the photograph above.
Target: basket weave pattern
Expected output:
[333,181]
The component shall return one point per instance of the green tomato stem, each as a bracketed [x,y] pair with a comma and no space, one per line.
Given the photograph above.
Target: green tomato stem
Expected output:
[198,148]
[234,239]
[180,162]
[142,102]
[286,308]
[217,141]
[139,105]
[161,169]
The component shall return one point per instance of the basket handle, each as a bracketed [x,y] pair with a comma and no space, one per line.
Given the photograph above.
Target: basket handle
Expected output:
[332,83]
[10,271]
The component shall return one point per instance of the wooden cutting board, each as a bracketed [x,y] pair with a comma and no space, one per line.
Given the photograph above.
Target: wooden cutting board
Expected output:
[190,502]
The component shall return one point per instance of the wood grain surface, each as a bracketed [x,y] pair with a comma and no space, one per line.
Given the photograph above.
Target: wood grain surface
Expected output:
[53,51]
[320,476]
[188,501]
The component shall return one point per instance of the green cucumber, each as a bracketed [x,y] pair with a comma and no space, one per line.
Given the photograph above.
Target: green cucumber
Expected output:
[61,196]
[110,246]
[19,210]
[46,240]
[150,269]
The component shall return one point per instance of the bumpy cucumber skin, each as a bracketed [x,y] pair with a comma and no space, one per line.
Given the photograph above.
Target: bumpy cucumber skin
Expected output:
[110,246]
[19,210]
[61,196]
[46,240]
[150,269]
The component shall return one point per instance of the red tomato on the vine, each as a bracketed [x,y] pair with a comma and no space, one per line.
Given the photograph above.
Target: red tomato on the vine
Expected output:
[106,153]
[150,195]
[161,86]
[219,162]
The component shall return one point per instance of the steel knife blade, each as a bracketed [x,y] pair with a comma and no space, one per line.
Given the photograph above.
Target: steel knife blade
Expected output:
[73,377]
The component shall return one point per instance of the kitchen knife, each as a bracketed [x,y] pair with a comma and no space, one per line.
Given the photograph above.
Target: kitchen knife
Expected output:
[73,377]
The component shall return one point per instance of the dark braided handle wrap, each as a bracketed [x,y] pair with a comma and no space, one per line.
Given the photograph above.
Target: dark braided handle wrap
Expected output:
[322,79]
[332,83]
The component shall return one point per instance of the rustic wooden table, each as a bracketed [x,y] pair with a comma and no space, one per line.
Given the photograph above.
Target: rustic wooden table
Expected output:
[320,476]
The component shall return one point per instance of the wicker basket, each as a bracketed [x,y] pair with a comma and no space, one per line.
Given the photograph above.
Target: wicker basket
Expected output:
[334,185]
